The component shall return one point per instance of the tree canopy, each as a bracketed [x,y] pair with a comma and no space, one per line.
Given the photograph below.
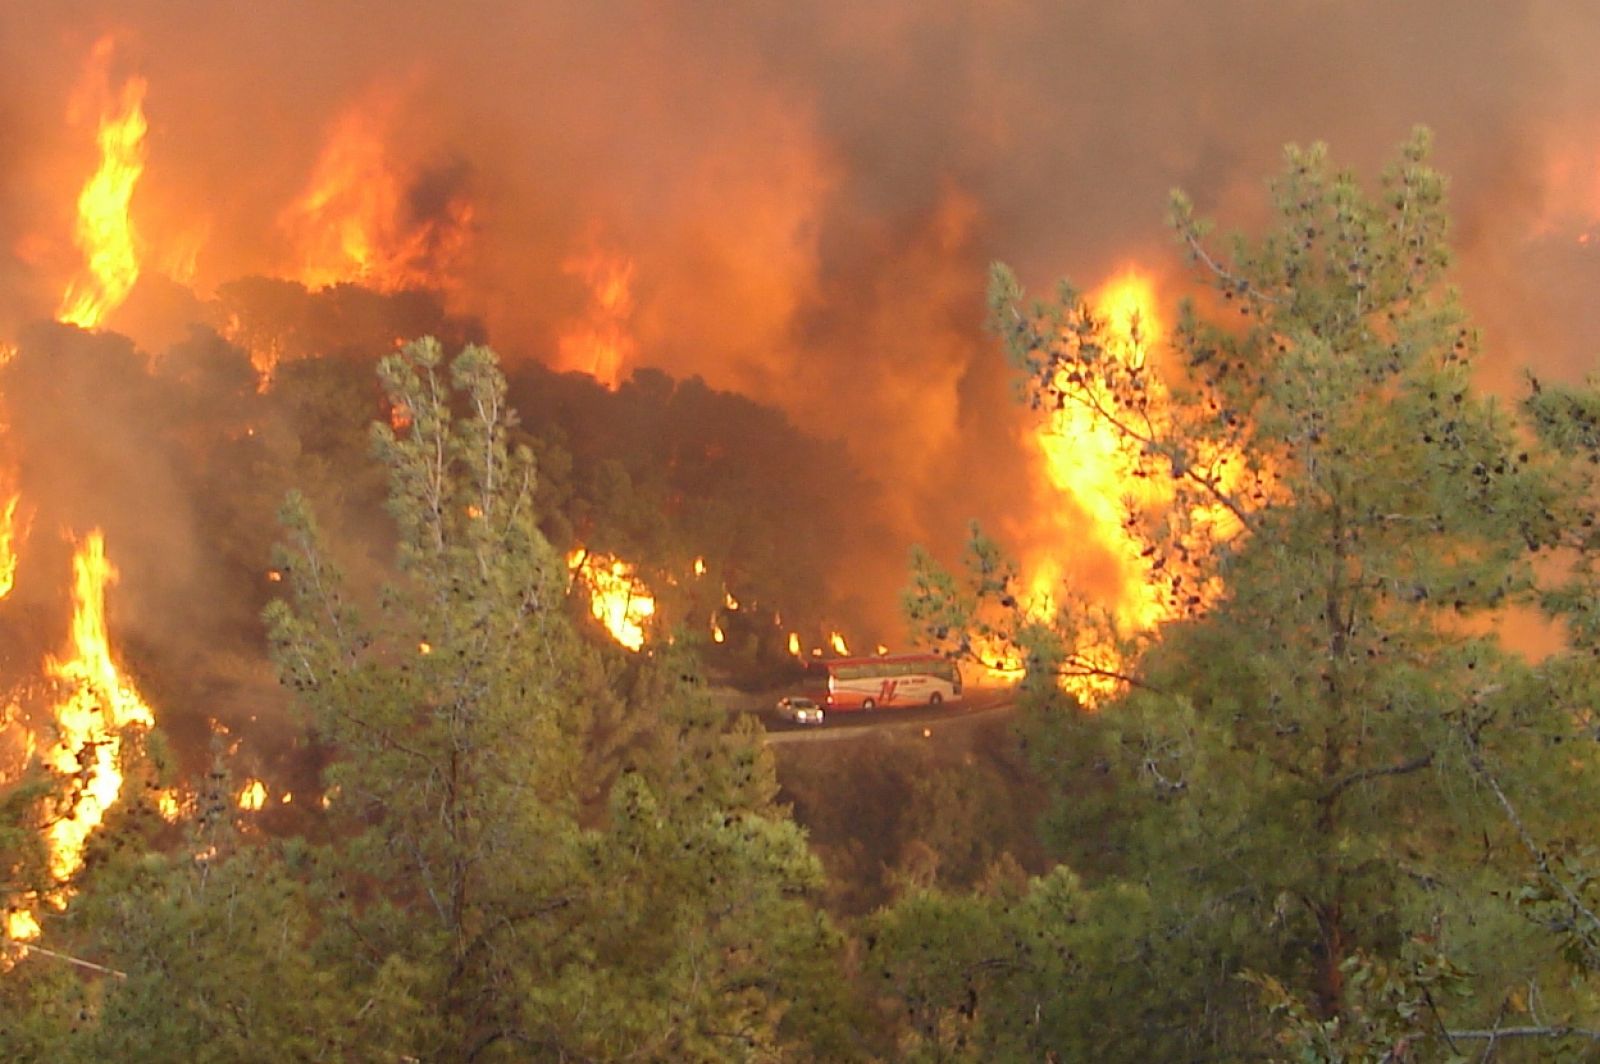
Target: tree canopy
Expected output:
[497,876]
[1315,762]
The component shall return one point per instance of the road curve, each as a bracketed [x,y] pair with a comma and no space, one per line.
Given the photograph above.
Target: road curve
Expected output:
[842,726]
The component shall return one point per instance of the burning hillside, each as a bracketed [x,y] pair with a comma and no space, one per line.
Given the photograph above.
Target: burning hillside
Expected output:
[740,313]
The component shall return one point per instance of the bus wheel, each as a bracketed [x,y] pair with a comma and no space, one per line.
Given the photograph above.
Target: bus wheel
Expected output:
[868,703]
[935,698]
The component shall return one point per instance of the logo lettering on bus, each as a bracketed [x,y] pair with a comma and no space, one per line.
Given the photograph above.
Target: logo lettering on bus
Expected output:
[886,691]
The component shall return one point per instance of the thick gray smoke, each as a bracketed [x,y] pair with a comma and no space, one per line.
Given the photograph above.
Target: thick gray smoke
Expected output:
[810,193]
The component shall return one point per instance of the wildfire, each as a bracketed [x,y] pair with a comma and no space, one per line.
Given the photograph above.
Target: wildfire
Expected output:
[602,342]
[8,545]
[99,703]
[617,598]
[104,230]
[794,643]
[356,220]
[22,925]
[717,635]
[1088,463]
[1092,470]
[253,798]
[1095,473]
[836,641]
[89,720]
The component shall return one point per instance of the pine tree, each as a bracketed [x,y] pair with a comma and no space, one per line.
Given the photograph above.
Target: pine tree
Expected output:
[507,884]
[1302,757]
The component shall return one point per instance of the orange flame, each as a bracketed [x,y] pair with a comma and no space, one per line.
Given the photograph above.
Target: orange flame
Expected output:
[601,343]
[794,643]
[1089,463]
[104,230]
[717,635]
[1092,471]
[99,703]
[836,641]
[22,925]
[617,598]
[355,223]
[1095,473]
[253,797]
[8,545]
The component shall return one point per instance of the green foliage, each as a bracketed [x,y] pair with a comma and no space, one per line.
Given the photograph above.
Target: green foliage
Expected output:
[1393,1010]
[662,472]
[1024,970]
[24,855]
[511,879]
[1315,762]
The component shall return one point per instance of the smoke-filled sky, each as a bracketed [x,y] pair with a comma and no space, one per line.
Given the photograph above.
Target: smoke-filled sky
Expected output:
[804,197]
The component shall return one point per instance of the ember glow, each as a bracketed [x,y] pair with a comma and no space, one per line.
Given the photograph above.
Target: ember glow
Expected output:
[104,231]
[617,597]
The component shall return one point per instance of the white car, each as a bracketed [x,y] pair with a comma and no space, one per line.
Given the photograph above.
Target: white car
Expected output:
[800,710]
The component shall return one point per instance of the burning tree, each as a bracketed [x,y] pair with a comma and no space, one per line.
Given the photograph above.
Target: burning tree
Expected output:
[1318,765]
